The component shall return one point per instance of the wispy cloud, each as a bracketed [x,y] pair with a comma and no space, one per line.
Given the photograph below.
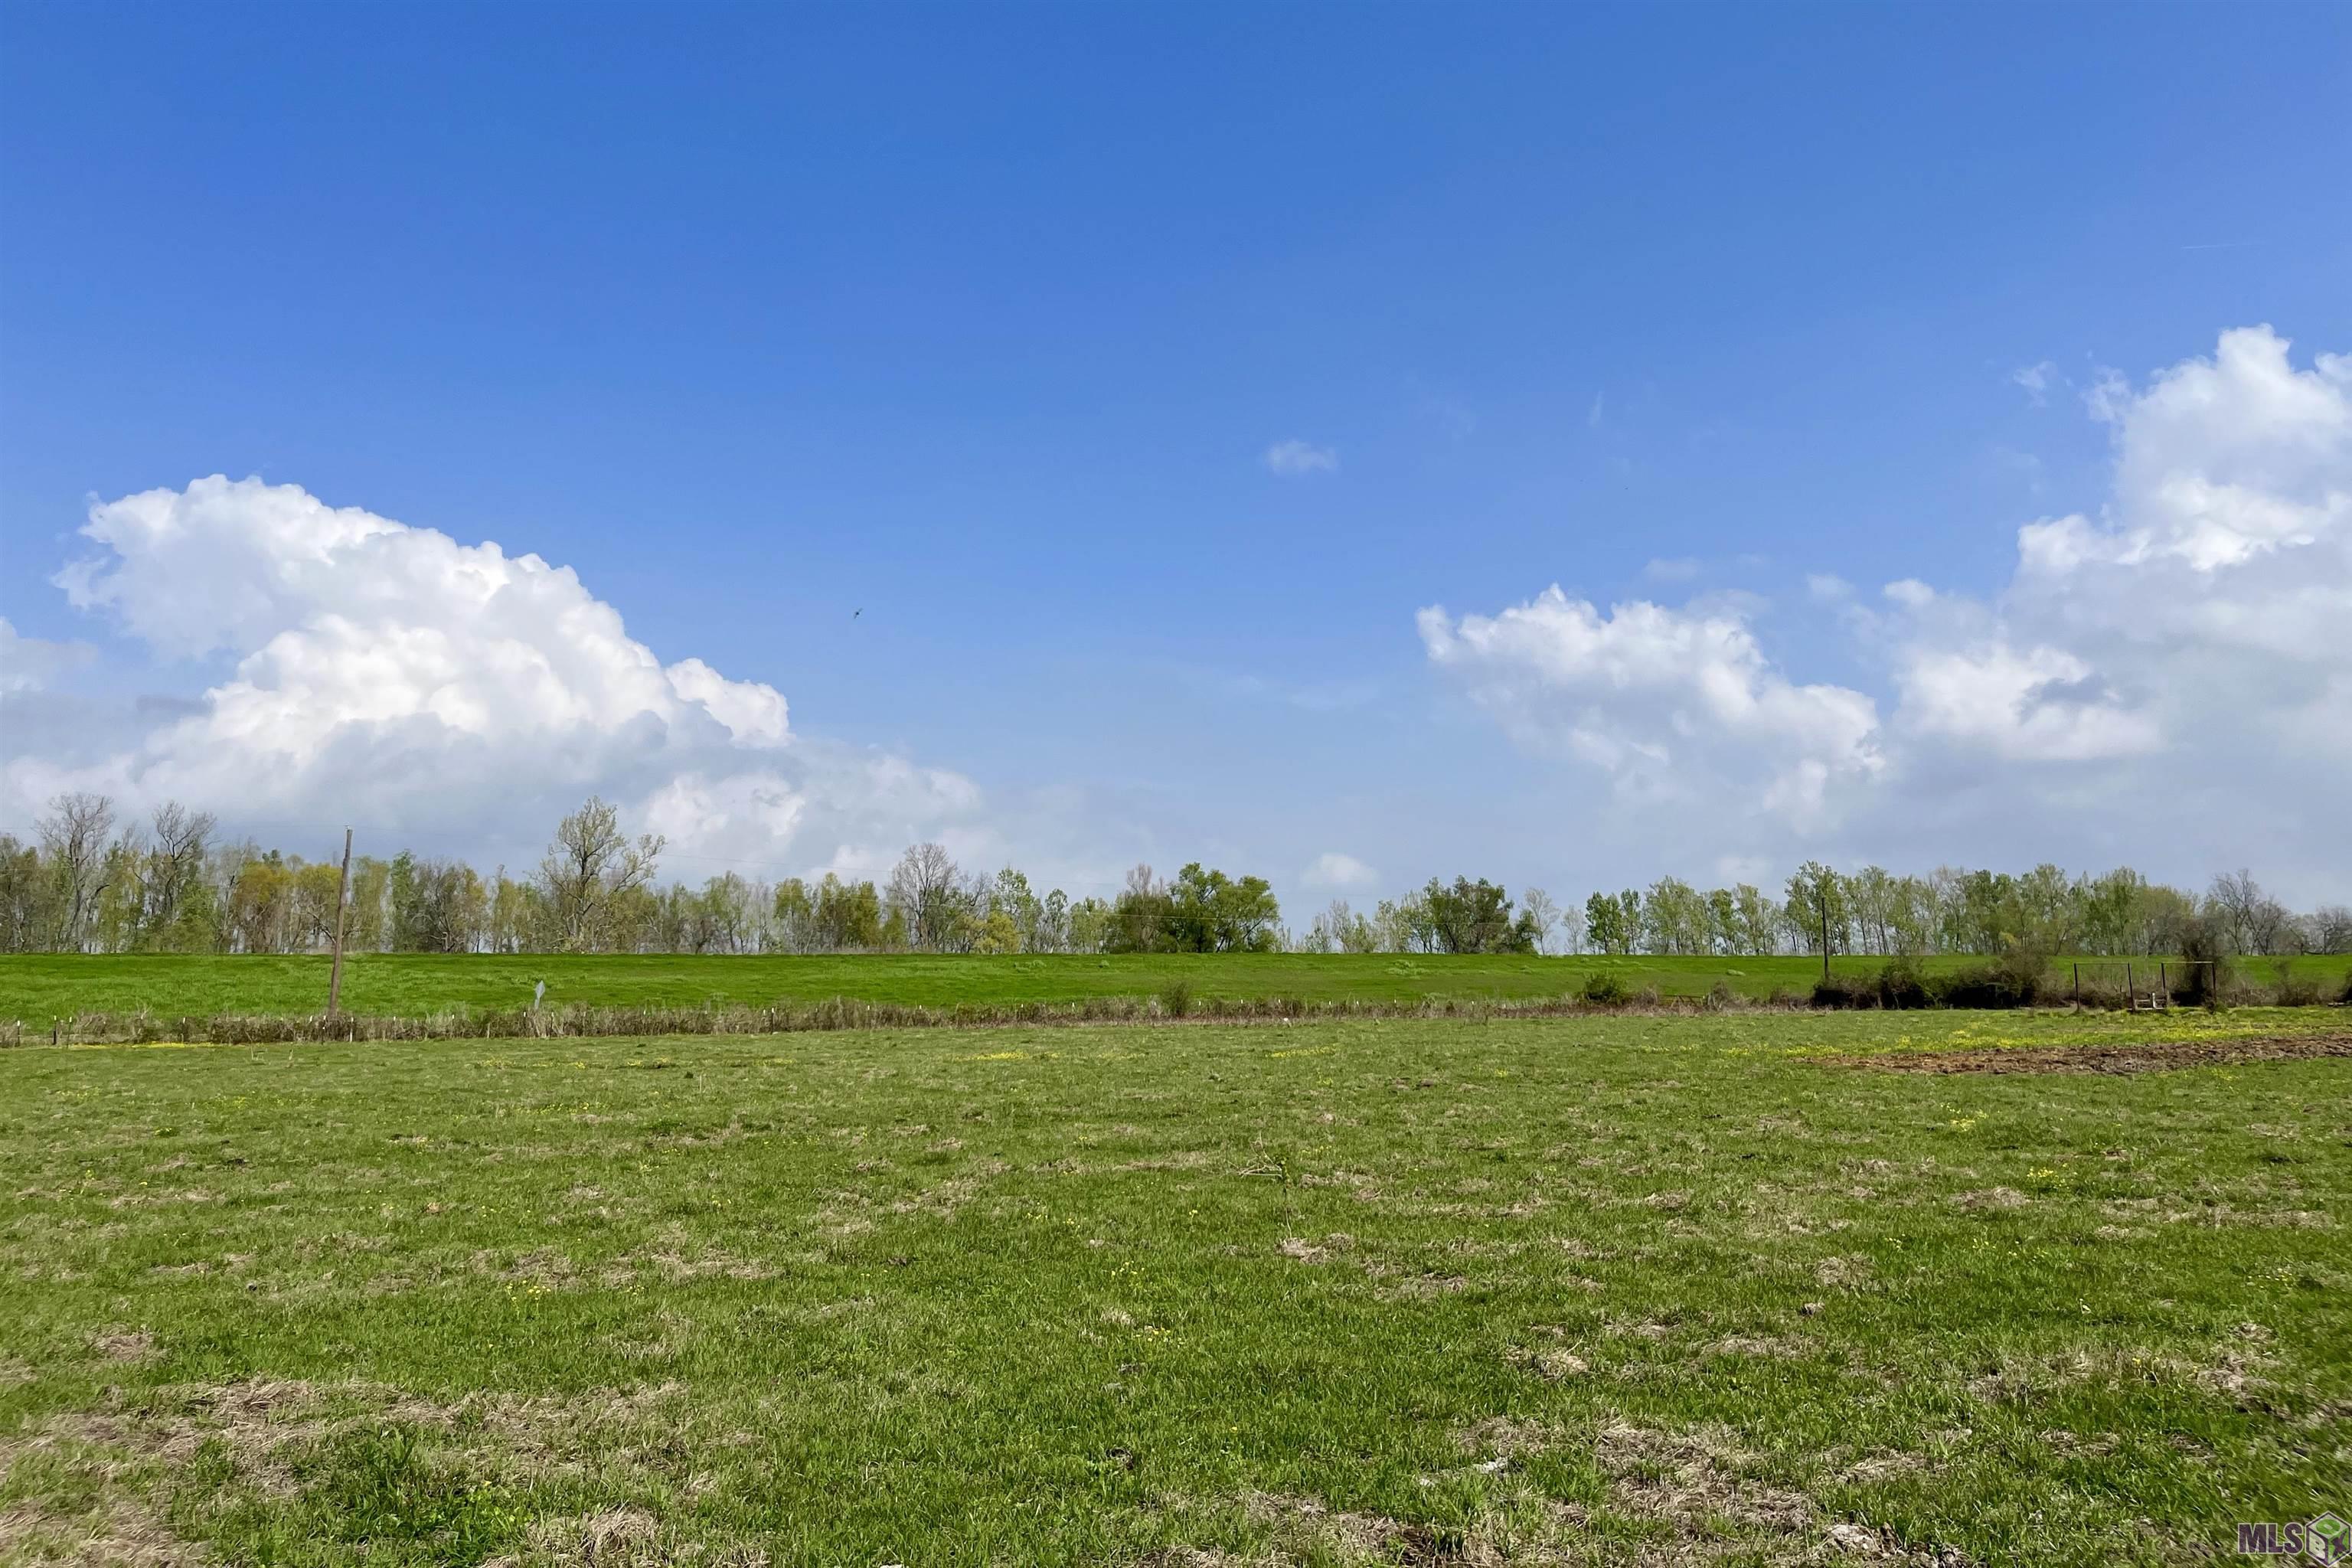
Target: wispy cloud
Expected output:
[29,664]
[2018,465]
[1600,407]
[1312,696]
[1828,588]
[2037,380]
[1339,873]
[1294,458]
[1447,412]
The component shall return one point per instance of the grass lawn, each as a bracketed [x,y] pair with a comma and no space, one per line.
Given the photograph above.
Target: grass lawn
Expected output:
[1605,1290]
[38,988]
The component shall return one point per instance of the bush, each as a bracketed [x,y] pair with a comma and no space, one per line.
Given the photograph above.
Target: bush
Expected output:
[2106,997]
[2205,978]
[2294,990]
[2018,978]
[1900,985]
[1844,991]
[1176,999]
[1605,988]
[1721,997]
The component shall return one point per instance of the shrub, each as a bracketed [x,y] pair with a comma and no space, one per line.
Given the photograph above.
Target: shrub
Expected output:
[2294,990]
[1844,991]
[1176,999]
[1900,985]
[2205,978]
[2018,978]
[1605,988]
[1721,997]
[2109,998]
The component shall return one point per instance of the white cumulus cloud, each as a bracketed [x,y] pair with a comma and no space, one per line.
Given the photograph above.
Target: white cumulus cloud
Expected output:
[1675,703]
[389,673]
[2165,679]
[2211,594]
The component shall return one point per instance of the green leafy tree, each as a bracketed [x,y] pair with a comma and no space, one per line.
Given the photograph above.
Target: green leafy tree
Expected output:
[1209,911]
[1604,924]
[1816,909]
[1474,917]
[589,875]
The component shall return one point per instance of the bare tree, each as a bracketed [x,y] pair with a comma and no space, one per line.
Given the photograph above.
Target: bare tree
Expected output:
[73,835]
[2235,899]
[923,887]
[1329,931]
[591,863]
[2328,929]
[2270,928]
[175,865]
[1538,907]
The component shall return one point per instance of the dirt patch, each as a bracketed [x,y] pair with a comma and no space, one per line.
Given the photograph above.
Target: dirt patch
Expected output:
[2137,1056]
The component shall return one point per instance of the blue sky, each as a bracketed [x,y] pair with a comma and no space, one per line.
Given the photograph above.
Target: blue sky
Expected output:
[983,320]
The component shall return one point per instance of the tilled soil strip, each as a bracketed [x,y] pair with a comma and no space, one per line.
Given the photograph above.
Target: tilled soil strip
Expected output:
[2137,1056]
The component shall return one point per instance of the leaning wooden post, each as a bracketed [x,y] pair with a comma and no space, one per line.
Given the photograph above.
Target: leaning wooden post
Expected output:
[2078,985]
[342,900]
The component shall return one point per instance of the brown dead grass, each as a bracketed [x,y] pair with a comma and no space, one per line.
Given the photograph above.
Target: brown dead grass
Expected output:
[2142,1055]
[115,1526]
[118,1533]
[1352,1536]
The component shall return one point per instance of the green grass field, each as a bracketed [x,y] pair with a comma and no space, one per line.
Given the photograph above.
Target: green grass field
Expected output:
[1635,1289]
[36,989]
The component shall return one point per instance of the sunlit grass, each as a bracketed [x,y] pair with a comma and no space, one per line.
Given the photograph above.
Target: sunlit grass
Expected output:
[38,988]
[1603,1290]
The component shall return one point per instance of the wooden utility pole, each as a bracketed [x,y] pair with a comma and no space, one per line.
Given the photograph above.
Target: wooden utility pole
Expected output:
[1821,889]
[342,901]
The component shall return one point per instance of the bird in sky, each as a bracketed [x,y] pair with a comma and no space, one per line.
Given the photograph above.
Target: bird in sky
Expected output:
[857,612]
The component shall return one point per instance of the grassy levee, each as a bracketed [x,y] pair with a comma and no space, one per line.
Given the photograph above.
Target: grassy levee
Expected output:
[1630,1289]
[38,988]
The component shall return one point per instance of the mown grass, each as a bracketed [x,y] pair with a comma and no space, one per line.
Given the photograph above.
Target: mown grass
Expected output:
[1611,1289]
[38,988]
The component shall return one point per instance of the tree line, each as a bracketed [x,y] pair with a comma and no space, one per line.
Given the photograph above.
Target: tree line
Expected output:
[88,881]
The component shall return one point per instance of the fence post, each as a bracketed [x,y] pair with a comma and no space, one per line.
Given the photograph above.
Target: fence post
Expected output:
[2078,984]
